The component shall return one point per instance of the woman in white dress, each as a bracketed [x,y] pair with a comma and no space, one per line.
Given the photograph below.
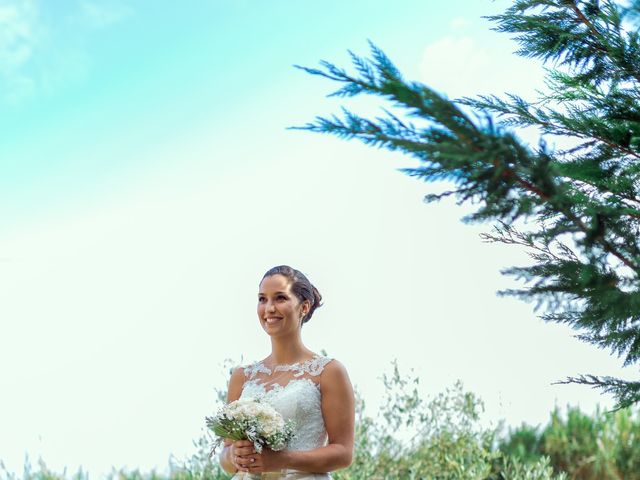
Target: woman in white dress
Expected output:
[312,390]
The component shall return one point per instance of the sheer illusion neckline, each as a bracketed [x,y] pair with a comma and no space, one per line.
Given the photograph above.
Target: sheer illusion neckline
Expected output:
[312,366]
[288,365]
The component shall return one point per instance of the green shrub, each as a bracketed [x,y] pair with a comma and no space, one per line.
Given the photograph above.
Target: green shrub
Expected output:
[440,438]
[603,446]
[41,473]
[539,469]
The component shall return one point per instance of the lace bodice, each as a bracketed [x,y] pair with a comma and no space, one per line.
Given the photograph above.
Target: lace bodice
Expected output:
[293,390]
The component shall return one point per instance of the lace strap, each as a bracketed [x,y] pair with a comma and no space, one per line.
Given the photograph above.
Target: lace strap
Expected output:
[314,367]
[252,370]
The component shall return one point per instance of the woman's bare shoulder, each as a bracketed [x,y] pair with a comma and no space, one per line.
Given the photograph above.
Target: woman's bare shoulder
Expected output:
[236,382]
[334,372]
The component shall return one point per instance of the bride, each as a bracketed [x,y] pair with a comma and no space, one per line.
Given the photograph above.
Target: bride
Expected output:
[312,390]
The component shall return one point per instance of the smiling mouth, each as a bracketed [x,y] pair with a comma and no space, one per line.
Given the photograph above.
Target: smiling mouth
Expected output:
[272,320]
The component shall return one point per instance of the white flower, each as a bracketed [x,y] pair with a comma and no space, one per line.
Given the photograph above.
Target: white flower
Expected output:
[252,419]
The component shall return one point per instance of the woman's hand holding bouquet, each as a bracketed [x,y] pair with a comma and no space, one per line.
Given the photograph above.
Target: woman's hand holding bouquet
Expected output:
[250,425]
[253,420]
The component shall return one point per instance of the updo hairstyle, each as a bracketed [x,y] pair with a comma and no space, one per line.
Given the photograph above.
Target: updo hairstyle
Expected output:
[300,286]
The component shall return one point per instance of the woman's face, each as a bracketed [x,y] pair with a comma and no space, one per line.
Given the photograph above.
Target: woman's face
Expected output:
[279,310]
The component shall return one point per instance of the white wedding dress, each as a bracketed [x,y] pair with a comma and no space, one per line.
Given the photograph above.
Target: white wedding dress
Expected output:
[293,390]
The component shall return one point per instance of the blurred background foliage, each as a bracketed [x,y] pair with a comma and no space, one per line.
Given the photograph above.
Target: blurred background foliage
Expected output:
[442,437]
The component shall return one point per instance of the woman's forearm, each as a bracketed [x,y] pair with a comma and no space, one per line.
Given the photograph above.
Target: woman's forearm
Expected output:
[225,460]
[319,460]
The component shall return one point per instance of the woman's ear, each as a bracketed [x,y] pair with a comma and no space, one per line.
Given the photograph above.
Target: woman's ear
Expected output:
[306,306]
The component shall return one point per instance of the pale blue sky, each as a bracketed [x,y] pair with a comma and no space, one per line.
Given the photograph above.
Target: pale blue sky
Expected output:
[94,85]
[147,180]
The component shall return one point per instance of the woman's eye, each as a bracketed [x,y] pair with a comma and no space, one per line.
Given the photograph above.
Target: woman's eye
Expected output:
[279,298]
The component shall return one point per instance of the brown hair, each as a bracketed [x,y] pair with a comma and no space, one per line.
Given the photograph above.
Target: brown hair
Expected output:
[300,286]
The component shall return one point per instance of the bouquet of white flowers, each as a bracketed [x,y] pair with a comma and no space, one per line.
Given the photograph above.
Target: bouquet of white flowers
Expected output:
[253,420]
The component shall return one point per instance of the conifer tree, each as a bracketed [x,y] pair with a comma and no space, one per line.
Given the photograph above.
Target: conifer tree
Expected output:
[580,206]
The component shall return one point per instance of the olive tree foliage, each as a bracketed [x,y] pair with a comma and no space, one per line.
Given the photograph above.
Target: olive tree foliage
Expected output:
[437,437]
[575,210]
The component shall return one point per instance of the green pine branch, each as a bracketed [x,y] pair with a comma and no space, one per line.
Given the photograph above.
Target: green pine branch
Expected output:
[626,392]
[581,204]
